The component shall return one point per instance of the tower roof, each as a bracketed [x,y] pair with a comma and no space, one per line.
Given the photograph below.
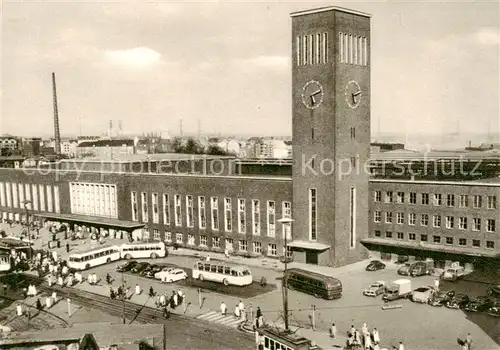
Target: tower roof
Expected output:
[329,8]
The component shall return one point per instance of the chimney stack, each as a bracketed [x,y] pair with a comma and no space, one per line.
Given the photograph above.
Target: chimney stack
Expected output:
[57,135]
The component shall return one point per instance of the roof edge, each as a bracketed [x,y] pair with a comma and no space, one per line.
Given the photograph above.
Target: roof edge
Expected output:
[329,8]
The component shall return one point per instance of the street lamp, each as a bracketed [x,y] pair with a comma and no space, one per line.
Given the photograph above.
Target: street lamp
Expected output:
[25,203]
[287,223]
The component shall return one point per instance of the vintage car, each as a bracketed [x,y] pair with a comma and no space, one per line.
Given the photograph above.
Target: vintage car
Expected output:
[375,289]
[458,301]
[375,265]
[441,298]
[422,294]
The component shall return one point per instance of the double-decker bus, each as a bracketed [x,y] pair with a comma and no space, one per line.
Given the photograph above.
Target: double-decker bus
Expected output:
[137,250]
[94,257]
[222,272]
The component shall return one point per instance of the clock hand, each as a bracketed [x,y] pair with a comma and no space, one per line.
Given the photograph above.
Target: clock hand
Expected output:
[316,93]
[357,93]
[313,100]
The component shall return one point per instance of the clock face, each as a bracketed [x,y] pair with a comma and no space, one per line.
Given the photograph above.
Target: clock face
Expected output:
[353,94]
[312,94]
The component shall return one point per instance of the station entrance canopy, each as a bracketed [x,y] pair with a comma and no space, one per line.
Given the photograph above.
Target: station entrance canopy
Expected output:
[308,245]
[94,221]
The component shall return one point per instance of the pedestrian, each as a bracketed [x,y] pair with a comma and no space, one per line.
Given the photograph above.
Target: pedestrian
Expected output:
[67,247]
[180,297]
[38,304]
[333,330]
[436,285]
[108,278]
[175,298]
[259,312]
[401,346]
[241,306]
[223,309]
[89,279]
[60,281]
[237,311]
[137,289]
[368,341]
[94,278]
[166,312]
[151,292]
[376,336]
[162,300]
[364,329]
[352,332]
[468,341]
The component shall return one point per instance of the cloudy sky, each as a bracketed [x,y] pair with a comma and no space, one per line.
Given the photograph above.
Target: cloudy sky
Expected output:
[227,64]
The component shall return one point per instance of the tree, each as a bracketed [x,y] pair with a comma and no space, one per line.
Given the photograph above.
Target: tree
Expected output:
[177,145]
[215,150]
[192,147]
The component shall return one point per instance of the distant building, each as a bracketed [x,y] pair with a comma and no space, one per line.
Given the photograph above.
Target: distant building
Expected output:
[229,145]
[105,148]
[9,142]
[376,147]
[81,139]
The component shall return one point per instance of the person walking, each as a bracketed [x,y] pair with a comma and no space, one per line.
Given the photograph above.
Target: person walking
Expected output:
[137,289]
[223,309]
[237,311]
[259,312]
[67,247]
[376,336]
[333,330]
[401,346]
[151,292]
[468,341]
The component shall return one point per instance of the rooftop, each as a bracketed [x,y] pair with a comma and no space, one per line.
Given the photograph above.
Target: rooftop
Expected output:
[330,8]
[128,158]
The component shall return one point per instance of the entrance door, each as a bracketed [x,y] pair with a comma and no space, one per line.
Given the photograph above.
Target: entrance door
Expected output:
[311,257]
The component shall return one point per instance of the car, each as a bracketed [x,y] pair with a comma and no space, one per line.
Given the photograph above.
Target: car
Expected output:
[151,271]
[458,301]
[441,298]
[480,304]
[494,291]
[375,265]
[170,275]
[421,268]
[375,289]
[422,295]
[494,311]
[405,269]
[127,266]
[140,267]
[402,259]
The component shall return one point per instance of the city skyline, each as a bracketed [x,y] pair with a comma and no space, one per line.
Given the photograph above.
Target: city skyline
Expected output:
[148,66]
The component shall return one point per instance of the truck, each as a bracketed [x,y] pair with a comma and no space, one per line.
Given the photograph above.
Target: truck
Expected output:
[398,289]
[453,273]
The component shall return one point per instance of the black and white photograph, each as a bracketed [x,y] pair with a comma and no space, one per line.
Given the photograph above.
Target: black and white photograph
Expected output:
[250,175]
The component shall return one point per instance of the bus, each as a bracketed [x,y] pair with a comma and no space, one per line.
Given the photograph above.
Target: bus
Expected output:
[143,250]
[94,257]
[5,262]
[222,272]
[319,285]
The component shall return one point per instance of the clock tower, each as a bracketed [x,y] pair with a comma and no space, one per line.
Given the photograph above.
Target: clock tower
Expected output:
[331,134]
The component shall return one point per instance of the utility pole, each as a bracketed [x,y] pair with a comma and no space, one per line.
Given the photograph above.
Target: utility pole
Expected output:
[286,223]
[123,301]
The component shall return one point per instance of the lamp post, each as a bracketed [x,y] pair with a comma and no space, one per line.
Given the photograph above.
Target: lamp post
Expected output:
[123,301]
[287,223]
[25,203]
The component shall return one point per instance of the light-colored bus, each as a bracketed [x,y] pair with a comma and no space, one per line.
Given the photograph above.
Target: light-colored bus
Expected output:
[94,257]
[222,272]
[137,250]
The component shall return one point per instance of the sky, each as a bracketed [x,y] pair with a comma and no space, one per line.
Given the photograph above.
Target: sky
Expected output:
[226,66]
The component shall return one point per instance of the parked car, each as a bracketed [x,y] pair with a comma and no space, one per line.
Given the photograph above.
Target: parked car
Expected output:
[494,311]
[458,301]
[422,295]
[494,291]
[170,275]
[127,266]
[421,268]
[405,269]
[375,289]
[441,298]
[402,259]
[453,273]
[140,267]
[375,265]
[151,270]
[480,304]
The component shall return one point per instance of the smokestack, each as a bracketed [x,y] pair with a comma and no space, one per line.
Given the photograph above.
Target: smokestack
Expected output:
[57,134]
[110,130]
[120,129]
[180,127]
[470,143]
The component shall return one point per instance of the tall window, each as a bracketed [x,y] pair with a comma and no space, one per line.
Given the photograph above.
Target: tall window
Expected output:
[9,194]
[228,215]
[312,214]
[490,225]
[413,198]
[324,48]
[425,199]
[15,198]
[438,199]
[436,221]
[450,200]
[35,196]
[341,47]
[41,190]
[202,214]
[287,210]
[377,216]
[492,202]
[352,215]
[477,202]
[156,234]
[56,199]
[166,209]
[178,210]
[298,48]
[189,211]
[49,198]
[476,224]
[450,222]
[388,197]
[377,196]
[241,216]
[144,206]
[2,194]
[424,220]
[401,197]
[464,201]
[412,219]
[271,218]
[256,217]
[462,223]
[156,213]
[214,202]
[21,194]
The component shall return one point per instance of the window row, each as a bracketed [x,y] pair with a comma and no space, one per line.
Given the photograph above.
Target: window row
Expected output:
[437,239]
[30,196]
[450,200]
[229,244]
[353,49]
[93,199]
[233,212]
[312,49]
[449,221]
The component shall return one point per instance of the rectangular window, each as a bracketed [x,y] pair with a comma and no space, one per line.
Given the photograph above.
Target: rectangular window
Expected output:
[351,55]
[462,241]
[21,195]
[490,225]
[412,236]
[50,203]
[271,218]
[304,50]
[476,243]
[168,236]
[35,196]
[178,210]
[388,197]
[228,215]
[41,190]
[241,216]
[317,49]
[191,239]
[425,199]
[242,246]
[436,239]
[27,191]
[271,249]
[298,47]
[436,221]
[450,200]
[462,223]
[215,242]
[352,214]
[477,202]
[449,240]
[437,200]
[377,216]
[341,47]
[15,198]
[424,220]
[365,49]
[229,244]
[144,206]
[450,222]
[463,201]
[202,216]
[2,194]
[310,49]
[378,233]
[179,238]
[492,202]
[214,205]
[412,219]
[400,235]
[256,217]
[9,194]
[476,224]
[257,247]
[287,210]
[423,238]
[57,206]
[388,217]
[166,209]
[156,213]
[156,234]
[324,48]
[413,198]
[490,244]
[145,234]
[189,211]
[203,241]
[360,51]
[355,49]
[388,234]
[312,214]
[400,218]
